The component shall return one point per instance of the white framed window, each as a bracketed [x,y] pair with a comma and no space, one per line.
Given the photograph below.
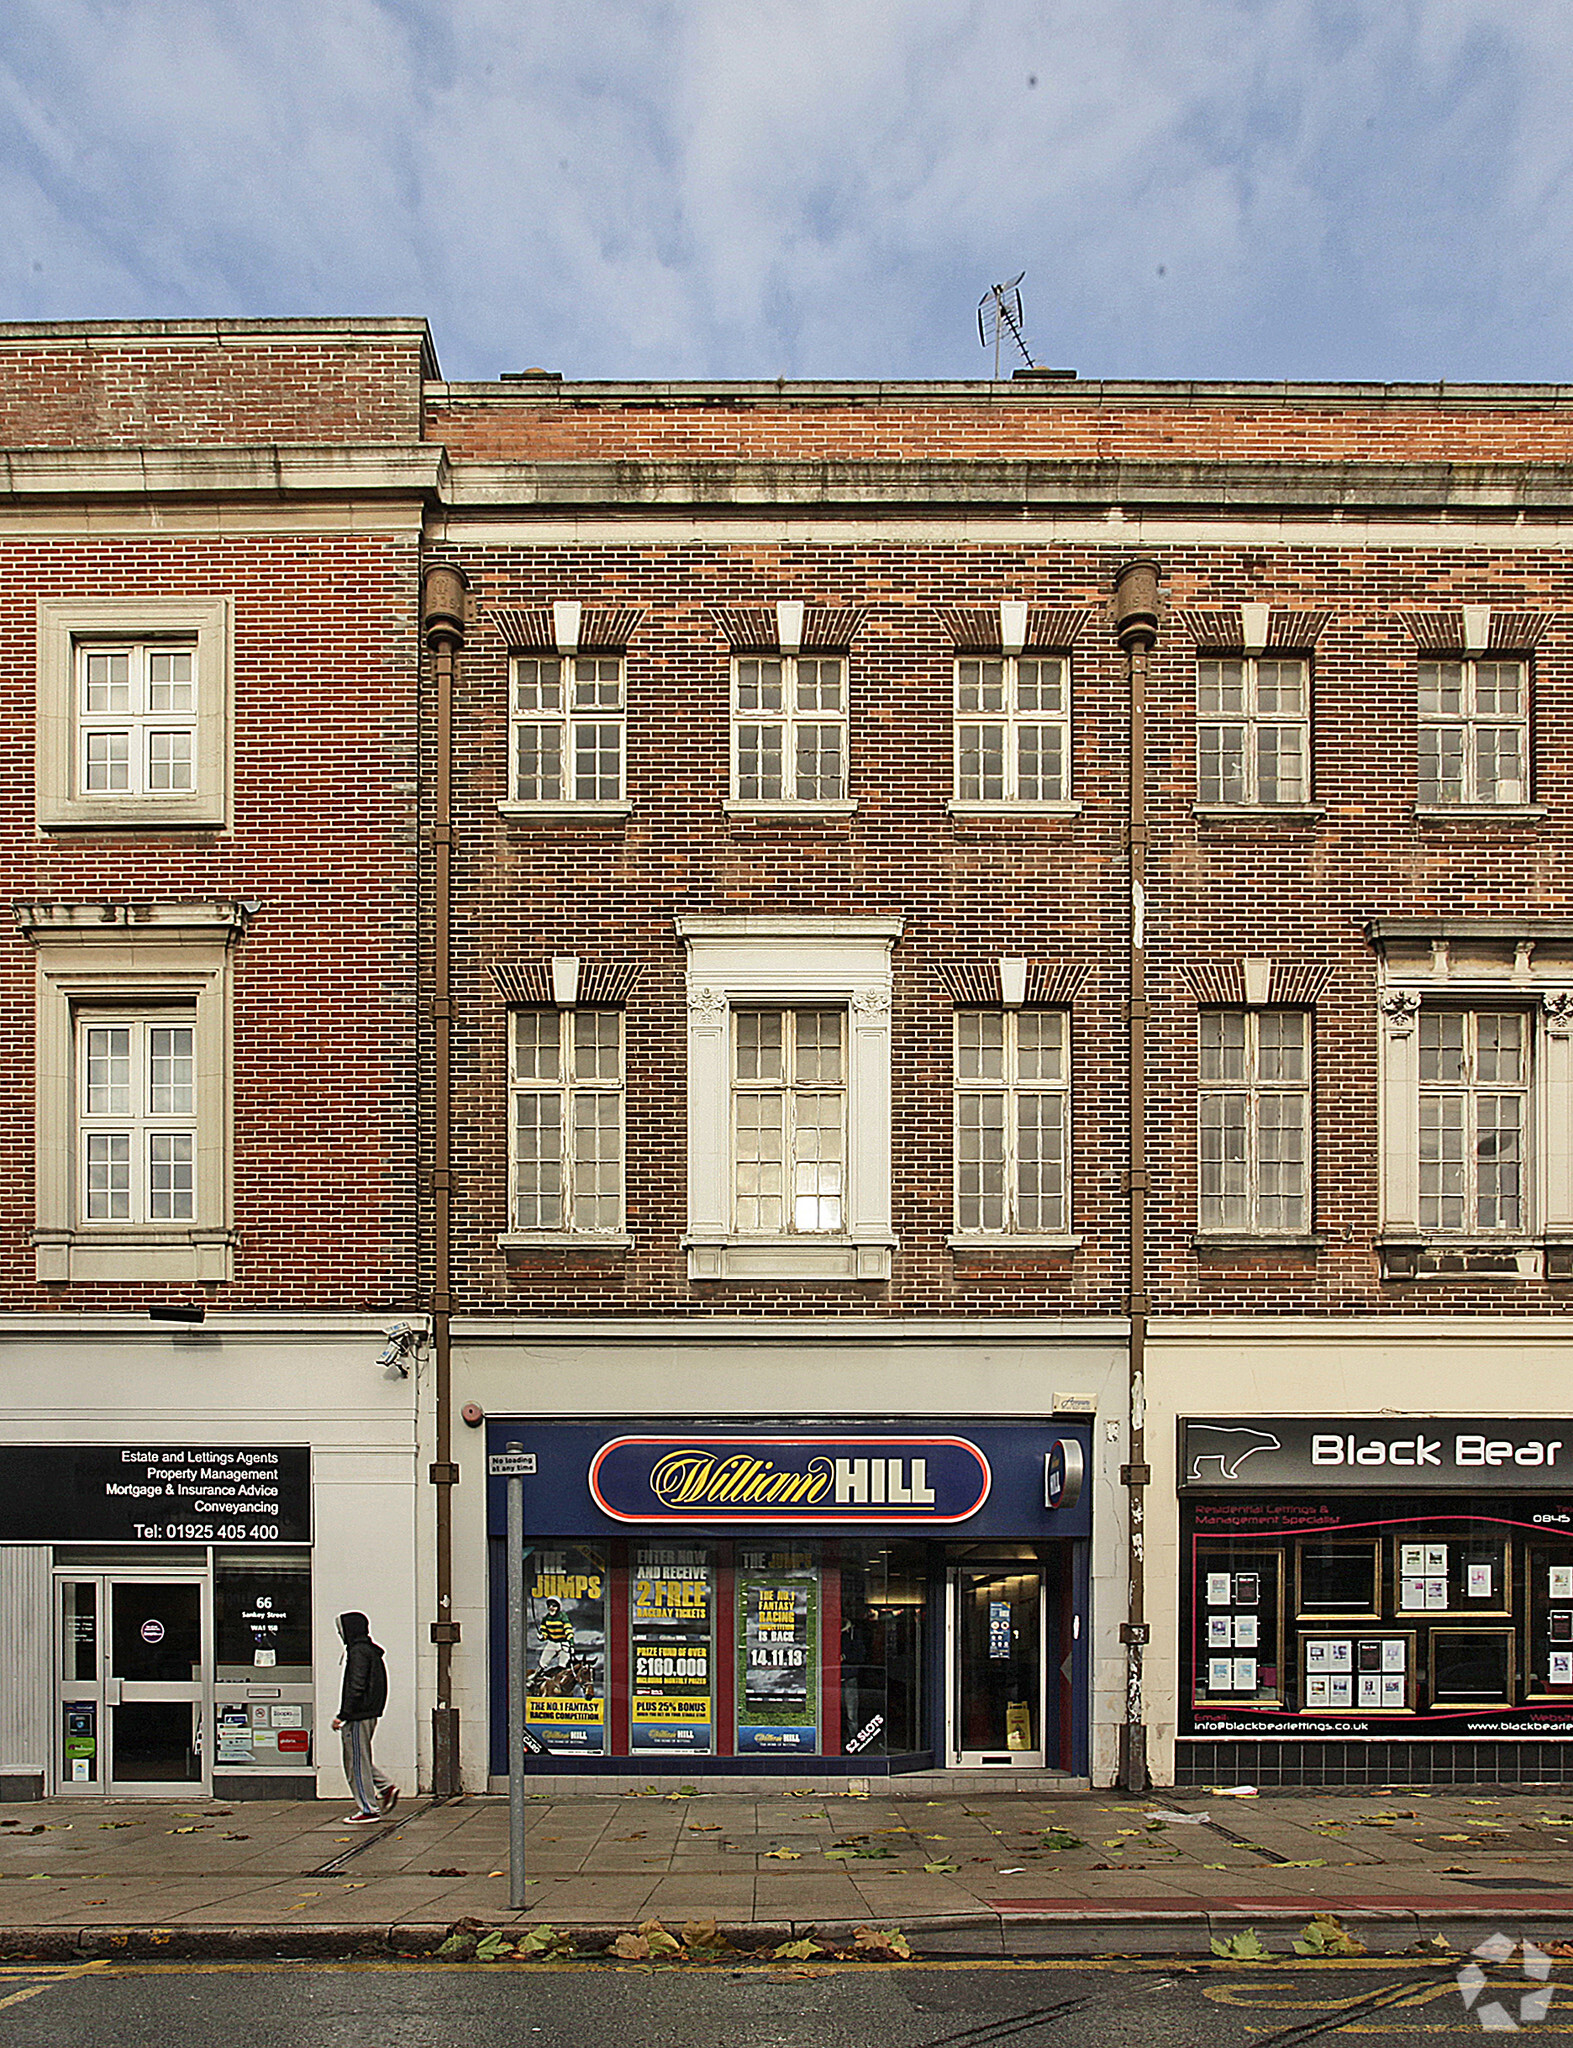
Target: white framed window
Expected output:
[134,1151]
[1254,1122]
[1012,1119]
[134,712]
[566,1142]
[1012,730]
[1473,733]
[789,731]
[1475,1121]
[1253,731]
[789,1121]
[137,1110]
[566,737]
[136,719]
[789,1097]
[1475,1026]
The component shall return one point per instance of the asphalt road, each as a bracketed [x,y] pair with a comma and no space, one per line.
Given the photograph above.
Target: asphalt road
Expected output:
[926,2005]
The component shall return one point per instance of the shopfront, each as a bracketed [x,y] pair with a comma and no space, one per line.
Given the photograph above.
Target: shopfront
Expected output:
[863,1598]
[163,1594]
[1368,1600]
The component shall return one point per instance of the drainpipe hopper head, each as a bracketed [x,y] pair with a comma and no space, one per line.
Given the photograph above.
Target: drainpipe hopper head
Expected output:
[1136,602]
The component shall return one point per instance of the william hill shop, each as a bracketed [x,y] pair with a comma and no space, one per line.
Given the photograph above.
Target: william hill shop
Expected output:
[1371,1600]
[799,1598]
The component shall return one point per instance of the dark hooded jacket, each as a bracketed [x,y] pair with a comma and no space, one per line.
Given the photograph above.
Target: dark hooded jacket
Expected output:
[365,1691]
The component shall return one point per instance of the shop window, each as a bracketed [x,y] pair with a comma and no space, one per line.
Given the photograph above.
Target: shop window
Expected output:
[134,712]
[789,1097]
[1402,1614]
[1549,1576]
[884,1591]
[262,1618]
[566,1664]
[565,1125]
[777,1637]
[1254,1112]
[1012,1135]
[671,1650]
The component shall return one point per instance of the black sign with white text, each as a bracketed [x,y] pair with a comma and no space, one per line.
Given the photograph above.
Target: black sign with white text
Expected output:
[1390,1452]
[153,1493]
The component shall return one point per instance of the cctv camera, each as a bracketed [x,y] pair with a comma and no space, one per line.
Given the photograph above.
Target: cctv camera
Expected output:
[401,1341]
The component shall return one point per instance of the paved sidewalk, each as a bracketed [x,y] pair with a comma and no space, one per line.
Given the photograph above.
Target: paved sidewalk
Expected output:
[1008,1872]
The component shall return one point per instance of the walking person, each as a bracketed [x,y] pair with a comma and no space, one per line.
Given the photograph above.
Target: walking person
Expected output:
[362,1700]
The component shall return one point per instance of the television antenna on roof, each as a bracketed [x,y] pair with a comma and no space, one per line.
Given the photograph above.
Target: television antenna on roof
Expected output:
[999,313]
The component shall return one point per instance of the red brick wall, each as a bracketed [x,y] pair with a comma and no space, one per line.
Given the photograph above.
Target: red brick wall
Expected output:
[191,391]
[324,844]
[1305,892]
[1069,425]
[972,890]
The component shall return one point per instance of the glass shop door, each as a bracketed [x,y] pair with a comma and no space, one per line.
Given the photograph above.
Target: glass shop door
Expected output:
[133,1685]
[996,1699]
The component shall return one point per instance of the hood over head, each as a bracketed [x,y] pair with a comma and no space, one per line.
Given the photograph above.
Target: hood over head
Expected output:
[353,1626]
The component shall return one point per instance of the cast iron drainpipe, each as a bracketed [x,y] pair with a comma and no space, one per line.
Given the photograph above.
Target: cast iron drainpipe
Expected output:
[443,620]
[1136,623]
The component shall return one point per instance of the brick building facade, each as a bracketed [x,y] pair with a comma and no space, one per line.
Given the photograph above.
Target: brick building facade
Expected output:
[208,652]
[786,920]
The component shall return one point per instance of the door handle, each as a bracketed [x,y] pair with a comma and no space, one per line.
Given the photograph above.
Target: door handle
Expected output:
[112,1692]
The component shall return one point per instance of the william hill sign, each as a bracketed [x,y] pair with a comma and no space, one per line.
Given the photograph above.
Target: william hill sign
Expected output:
[789,1481]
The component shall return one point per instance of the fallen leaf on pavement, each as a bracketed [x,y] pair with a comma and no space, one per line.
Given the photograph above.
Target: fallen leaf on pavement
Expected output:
[940,1869]
[785,1855]
[883,1942]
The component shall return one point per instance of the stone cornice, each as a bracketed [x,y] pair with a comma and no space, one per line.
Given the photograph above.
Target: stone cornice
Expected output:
[1490,490]
[274,470]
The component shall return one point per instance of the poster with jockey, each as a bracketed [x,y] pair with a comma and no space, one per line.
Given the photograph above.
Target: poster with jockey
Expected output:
[565,1649]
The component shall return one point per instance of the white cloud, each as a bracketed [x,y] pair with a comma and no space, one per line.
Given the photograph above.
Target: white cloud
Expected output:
[1199,188]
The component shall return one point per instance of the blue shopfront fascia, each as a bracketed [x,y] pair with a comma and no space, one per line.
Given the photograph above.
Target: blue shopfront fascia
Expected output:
[961,1482]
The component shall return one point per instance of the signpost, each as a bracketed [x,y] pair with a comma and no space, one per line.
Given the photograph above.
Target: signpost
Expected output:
[515,1464]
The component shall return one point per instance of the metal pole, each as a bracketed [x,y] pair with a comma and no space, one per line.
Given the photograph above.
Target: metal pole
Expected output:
[1136,623]
[515,1687]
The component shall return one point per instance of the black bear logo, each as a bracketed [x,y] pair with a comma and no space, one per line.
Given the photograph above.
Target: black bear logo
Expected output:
[1229,1452]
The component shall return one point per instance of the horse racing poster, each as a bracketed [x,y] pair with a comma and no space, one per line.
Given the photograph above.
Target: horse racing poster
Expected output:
[671,1624]
[565,1650]
[778,1660]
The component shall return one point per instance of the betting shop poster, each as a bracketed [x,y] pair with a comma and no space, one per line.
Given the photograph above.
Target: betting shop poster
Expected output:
[671,1659]
[565,1649]
[778,1663]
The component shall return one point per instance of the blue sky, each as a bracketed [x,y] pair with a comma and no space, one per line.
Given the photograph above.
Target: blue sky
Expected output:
[812,188]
